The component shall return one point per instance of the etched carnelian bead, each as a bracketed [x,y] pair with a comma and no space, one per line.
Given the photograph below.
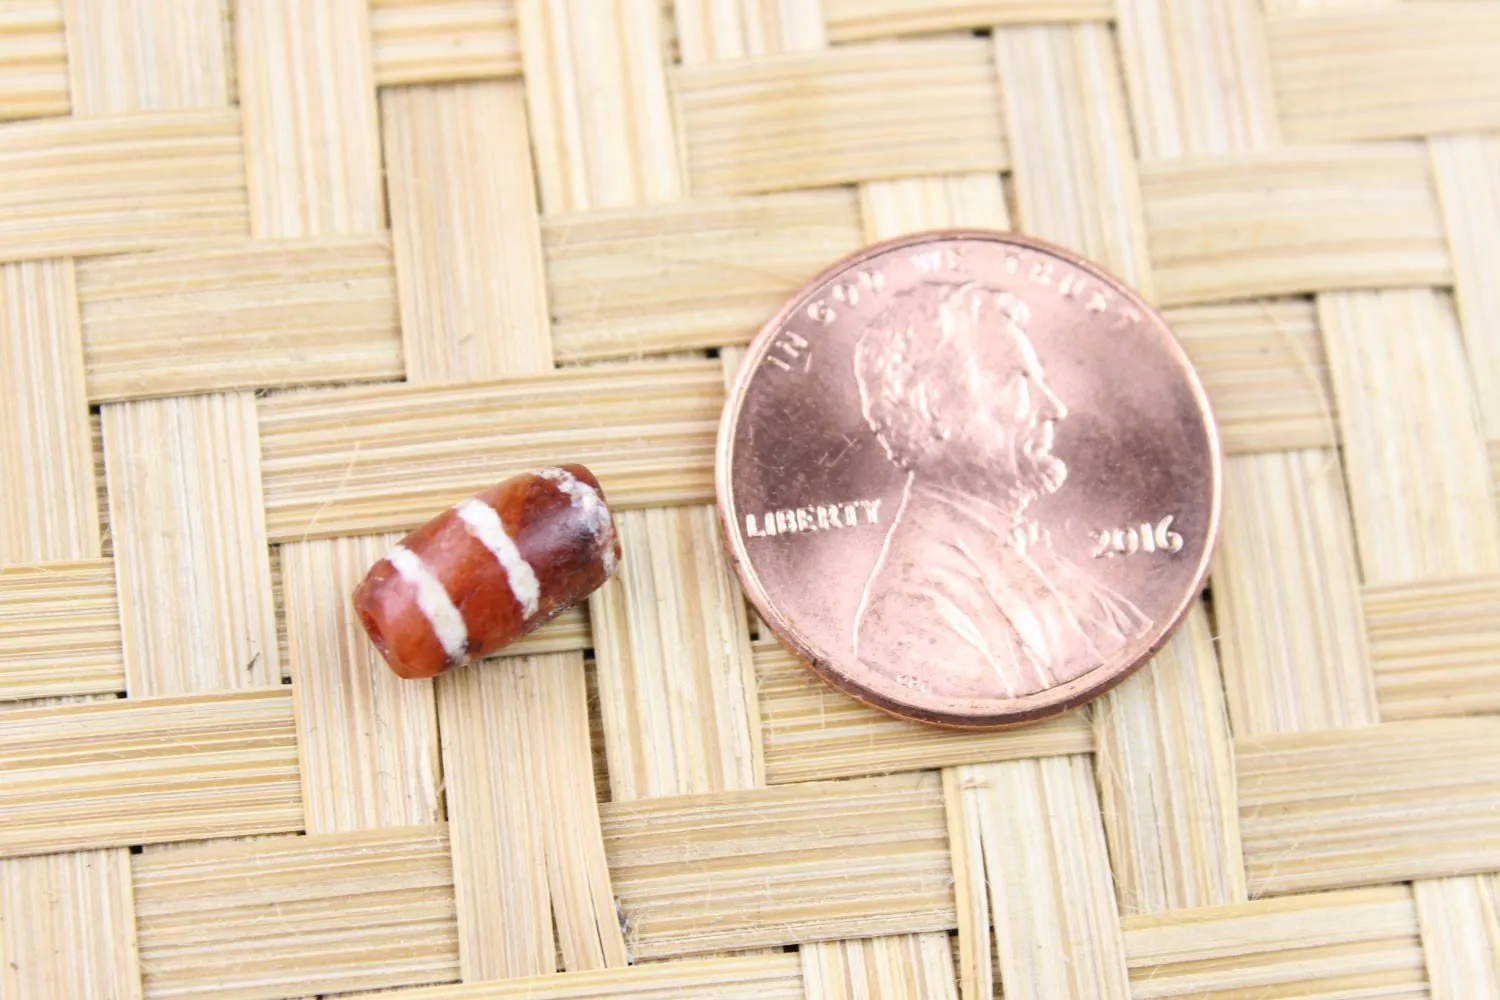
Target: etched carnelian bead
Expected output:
[484,573]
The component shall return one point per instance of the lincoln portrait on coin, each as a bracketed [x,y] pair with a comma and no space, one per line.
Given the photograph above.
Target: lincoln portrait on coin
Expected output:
[967,586]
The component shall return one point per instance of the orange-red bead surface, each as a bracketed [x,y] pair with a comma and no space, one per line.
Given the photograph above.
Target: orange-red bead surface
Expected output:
[486,572]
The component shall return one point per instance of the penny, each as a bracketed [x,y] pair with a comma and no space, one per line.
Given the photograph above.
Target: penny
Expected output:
[970,478]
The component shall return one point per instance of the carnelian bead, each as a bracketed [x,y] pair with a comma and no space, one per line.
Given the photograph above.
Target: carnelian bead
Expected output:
[484,573]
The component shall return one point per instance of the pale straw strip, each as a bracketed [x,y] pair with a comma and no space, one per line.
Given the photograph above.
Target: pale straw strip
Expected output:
[127,182]
[770,977]
[278,604]
[724,30]
[138,55]
[1286,579]
[1263,367]
[1296,220]
[783,871]
[509,729]
[975,961]
[596,89]
[601,135]
[1359,942]
[313,166]
[49,511]
[1044,860]
[307,91]
[901,965]
[919,964]
[856,20]
[127,58]
[815,719]
[79,935]
[499,851]
[70,927]
[1495,466]
[912,204]
[590,932]
[1394,70]
[687,274]
[190,544]
[239,315]
[368,740]
[440,41]
[1435,646]
[924,963]
[1298,557]
[136,772]
[1200,87]
[365,460]
[1281,8]
[814,732]
[862,112]
[568,632]
[1424,508]
[1163,761]
[1362,806]
[1418,482]
[101,483]
[298,915]
[891,208]
[1198,77]
[1075,173]
[1461,936]
[711,31]
[59,630]
[596,729]
[676,684]
[1166,778]
[1467,169]
[467,240]
[730,360]
[33,60]
[1286,592]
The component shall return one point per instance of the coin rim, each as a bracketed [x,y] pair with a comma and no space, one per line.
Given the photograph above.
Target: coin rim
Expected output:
[1044,704]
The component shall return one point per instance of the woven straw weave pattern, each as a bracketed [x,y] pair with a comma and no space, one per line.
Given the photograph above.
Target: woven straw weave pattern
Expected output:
[281,278]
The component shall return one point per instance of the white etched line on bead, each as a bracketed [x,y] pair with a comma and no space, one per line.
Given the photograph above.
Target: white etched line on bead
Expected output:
[581,493]
[609,541]
[584,497]
[594,510]
[610,562]
[483,523]
[447,624]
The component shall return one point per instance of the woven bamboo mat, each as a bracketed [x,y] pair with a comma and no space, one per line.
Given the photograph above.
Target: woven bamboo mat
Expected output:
[283,277]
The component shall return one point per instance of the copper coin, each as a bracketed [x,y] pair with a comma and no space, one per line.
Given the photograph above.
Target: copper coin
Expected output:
[970,478]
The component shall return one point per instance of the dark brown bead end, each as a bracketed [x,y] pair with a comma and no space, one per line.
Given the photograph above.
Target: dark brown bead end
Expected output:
[482,574]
